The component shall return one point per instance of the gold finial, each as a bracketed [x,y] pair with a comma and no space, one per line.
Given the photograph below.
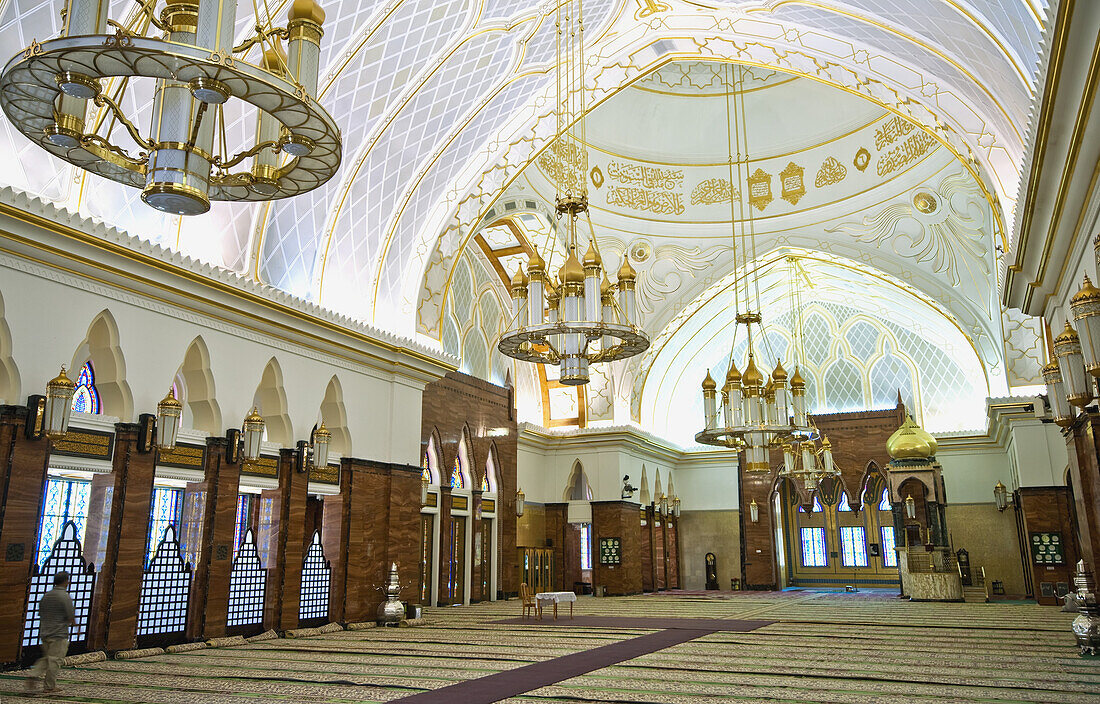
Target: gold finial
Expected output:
[752,376]
[253,416]
[592,257]
[520,279]
[571,271]
[733,377]
[306,10]
[61,381]
[1087,294]
[170,400]
[797,382]
[274,57]
[535,264]
[825,441]
[780,374]
[910,441]
[626,272]
[322,431]
[1068,335]
[709,384]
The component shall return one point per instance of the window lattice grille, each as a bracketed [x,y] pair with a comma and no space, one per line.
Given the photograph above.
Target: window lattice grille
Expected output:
[65,500]
[247,584]
[67,556]
[316,573]
[165,588]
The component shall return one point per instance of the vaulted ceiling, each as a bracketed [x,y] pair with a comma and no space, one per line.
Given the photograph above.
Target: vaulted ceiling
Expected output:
[445,107]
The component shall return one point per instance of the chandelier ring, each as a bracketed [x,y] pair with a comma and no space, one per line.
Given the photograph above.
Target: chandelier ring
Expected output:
[531,343]
[32,82]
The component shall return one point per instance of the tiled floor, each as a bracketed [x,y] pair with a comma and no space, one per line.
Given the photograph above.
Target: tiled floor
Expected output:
[858,648]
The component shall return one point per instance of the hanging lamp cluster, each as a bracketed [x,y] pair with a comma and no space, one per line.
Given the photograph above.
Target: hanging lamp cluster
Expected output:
[579,317]
[757,412]
[1071,376]
[66,95]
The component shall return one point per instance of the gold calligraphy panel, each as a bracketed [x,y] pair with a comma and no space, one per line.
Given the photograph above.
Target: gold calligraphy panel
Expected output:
[760,189]
[661,202]
[645,176]
[792,184]
[910,150]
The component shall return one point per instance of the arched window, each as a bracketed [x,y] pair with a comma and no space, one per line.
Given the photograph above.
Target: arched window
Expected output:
[844,505]
[485,483]
[489,478]
[817,508]
[884,503]
[86,398]
[425,473]
[457,481]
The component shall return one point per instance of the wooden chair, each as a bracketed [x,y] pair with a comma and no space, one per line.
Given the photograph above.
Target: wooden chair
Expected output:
[528,599]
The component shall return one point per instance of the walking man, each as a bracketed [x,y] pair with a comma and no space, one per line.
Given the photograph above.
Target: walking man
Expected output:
[55,614]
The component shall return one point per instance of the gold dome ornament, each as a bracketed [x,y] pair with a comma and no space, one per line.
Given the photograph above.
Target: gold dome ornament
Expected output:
[59,405]
[592,257]
[752,376]
[169,416]
[1071,365]
[907,444]
[708,383]
[1085,306]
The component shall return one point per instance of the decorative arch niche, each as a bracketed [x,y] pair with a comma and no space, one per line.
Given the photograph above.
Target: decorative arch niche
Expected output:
[101,346]
[199,398]
[577,488]
[9,373]
[335,416]
[270,400]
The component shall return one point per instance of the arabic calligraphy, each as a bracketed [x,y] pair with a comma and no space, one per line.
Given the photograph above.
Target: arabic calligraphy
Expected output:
[760,189]
[645,176]
[791,181]
[894,129]
[565,162]
[906,152]
[661,202]
[713,190]
[831,171]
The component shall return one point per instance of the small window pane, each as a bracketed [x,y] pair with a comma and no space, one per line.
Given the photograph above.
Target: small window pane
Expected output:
[889,557]
[884,504]
[853,546]
[813,547]
[586,546]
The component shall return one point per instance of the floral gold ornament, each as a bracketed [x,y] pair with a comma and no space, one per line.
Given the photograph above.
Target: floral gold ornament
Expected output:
[790,180]
[640,250]
[925,202]
[831,172]
[760,189]
[577,320]
[862,159]
[182,161]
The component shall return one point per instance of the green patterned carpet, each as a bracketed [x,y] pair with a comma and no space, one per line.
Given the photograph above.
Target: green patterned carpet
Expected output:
[858,648]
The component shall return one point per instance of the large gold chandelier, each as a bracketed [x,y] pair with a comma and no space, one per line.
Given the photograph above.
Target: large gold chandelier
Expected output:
[578,320]
[757,412]
[65,95]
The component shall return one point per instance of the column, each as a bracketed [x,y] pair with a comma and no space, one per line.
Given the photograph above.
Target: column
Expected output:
[215,501]
[758,569]
[617,520]
[1083,448]
[443,598]
[22,480]
[281,544]
[403,530]
[477,550]
[648,549]
[367,556]
[335,538]
[118,527]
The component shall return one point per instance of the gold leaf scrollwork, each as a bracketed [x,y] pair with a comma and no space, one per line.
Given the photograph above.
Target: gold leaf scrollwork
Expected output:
[862,159]
[760,189]
[661,202]
[792,183]
[34,49]
[713,190]
[649,7]
[831,171]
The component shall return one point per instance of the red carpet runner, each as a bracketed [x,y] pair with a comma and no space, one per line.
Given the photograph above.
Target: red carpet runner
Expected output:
[510,683]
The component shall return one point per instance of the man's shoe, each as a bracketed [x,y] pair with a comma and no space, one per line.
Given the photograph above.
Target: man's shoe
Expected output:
[30,684]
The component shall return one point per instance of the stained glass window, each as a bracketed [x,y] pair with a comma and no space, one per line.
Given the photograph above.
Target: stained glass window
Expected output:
[86,398]
[853,546]
[164,511]
[244,509]
[485,483]
[844,505]
[425,474]
[813,547]
[889,557]
[884,504]
[817,508]
[586,546]
[456,476]
[65,500]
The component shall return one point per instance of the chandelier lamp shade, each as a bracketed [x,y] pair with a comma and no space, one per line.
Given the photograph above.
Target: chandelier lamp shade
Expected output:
[59,405]
[1073,371]
[66,95]
[520,499]
[169,416]
[322,438]
[253,431]
[577,317]
[1000,496]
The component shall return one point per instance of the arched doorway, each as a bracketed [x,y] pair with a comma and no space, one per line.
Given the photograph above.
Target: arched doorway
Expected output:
[430,476]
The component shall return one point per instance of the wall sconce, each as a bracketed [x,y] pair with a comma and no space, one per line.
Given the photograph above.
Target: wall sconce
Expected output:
[676,506]
[754,511]
[1071,365]
[59,405]
[1085,306]
[519,503]
[253,428]
[910,507]
[424,491]
[314,454]
[1000,495]
[169,414]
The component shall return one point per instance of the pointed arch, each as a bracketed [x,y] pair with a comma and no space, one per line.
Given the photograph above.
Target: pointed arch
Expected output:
[9,373]
[871,484]
[657,486]
[433,458]
[462,474]
[577,488]
[102,348]
[270,400]
[643,495]
[490,480]
[198,393]
[335,416]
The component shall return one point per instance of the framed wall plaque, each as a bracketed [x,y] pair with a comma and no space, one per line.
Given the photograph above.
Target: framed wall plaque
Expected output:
[611,551]
[1047,549]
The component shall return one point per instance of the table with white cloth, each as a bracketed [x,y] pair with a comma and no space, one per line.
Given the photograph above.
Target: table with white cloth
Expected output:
[555,597]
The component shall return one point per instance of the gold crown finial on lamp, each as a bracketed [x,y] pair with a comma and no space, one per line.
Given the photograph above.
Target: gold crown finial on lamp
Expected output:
[907,444]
